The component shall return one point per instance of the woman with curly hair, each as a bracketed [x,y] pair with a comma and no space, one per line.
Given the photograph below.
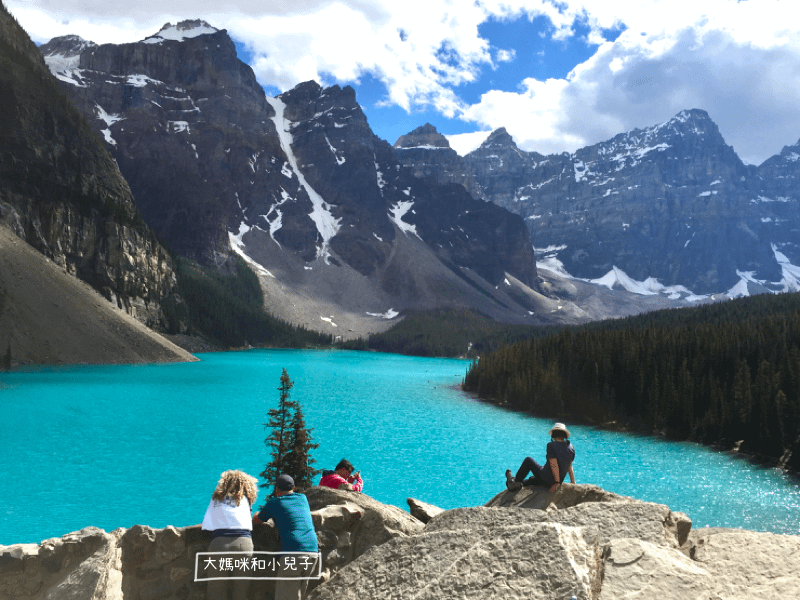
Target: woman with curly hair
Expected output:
[228,517]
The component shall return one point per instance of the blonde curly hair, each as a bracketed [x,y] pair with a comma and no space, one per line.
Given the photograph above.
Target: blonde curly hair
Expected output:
[234,485]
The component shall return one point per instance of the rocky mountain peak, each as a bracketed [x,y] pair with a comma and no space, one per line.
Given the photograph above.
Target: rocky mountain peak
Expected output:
[63,53]
[333,107]
[499,137]
[791,153]
[181,31]
[425,136]
[65,45]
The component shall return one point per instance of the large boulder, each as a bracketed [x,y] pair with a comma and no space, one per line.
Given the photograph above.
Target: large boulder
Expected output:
[716,563]
[654,523]
[748,564]
[539,560]
[511,552]
[422,510]
[379,522]
[534,496]
[83,564]
[635,569]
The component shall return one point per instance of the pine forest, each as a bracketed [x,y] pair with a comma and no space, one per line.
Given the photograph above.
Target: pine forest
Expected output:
[724,374]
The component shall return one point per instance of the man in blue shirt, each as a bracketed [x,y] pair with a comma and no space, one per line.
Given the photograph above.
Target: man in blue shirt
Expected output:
[292,517]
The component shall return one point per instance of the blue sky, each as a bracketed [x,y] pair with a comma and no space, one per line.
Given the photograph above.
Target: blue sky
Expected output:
[558,74]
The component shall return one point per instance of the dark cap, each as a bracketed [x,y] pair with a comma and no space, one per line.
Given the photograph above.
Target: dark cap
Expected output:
[284,483]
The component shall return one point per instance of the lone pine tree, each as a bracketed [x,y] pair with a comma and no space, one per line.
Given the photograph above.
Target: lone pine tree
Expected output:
[298,460]
[289,441]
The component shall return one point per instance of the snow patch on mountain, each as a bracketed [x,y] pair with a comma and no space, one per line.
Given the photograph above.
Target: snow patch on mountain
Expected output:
[109,120]
[649,287]
[178,126]
[71,76]
[396,214]
[389,314]
[238,246]
[340,160]
[180,32]
[59,63]
[380,179]
[277,221]
[327,225]
[790,272]
[140,80]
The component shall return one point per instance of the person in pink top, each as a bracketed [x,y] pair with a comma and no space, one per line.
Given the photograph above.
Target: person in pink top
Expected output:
[343,477]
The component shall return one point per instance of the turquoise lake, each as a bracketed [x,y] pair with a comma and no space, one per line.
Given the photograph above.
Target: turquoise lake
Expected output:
[113,446]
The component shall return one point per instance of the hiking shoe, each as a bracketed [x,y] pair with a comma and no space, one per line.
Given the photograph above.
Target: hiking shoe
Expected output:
[511,483]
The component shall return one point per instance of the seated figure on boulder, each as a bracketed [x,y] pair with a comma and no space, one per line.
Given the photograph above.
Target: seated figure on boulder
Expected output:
[560,454]
[343,478]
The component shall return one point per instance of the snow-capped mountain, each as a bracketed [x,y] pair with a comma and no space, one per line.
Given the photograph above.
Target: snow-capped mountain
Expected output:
[669,209]
[338,229]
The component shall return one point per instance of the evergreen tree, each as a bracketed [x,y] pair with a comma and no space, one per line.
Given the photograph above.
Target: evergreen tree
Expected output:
[299,461]
[278,441]
[289,442]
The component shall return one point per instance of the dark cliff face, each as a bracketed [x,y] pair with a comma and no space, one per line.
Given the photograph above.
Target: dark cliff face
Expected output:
[428,154]
[299,182]
[368,188]
[778,202]
[62,193]
[671,202]
[166,110]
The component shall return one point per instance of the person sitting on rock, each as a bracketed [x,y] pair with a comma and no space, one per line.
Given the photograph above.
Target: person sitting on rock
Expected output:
[560,454]
[343,478]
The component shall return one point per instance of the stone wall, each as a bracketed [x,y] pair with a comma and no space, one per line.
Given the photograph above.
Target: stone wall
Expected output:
[142,563]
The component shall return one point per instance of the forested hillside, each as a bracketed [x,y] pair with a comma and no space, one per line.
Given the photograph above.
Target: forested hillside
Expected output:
[451,332]
[717,374]
[227,310]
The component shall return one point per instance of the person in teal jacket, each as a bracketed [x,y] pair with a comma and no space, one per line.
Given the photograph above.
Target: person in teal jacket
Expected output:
[292,516]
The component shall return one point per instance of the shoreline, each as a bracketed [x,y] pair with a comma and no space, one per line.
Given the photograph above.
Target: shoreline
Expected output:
[621,427]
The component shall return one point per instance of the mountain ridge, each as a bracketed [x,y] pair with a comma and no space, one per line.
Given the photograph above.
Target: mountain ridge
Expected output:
[664,209]
[298,184]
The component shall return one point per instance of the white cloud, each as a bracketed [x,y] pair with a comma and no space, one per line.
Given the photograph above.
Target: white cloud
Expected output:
[464,143]
[740,61]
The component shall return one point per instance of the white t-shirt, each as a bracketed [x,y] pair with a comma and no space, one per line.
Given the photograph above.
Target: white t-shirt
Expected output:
[226,515]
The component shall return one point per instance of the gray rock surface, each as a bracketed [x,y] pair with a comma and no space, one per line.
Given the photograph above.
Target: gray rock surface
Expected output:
[606,548]
[378,524]
[567,495]
[747,564]
[637,569]
[541,560]
[647,521]
[422,510]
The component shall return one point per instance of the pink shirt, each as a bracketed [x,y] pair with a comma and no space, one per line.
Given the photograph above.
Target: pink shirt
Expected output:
[334,480]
